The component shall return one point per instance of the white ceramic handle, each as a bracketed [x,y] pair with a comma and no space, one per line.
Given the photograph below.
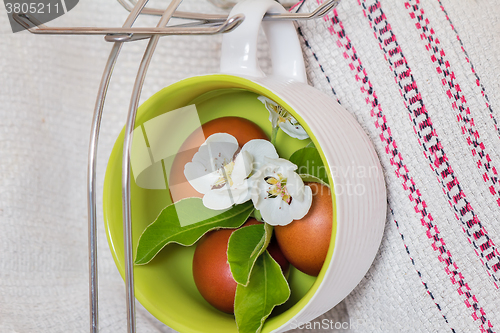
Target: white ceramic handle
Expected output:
[239,47]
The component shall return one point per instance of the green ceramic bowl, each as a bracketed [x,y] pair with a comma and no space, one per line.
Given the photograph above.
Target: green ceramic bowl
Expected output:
[165,286]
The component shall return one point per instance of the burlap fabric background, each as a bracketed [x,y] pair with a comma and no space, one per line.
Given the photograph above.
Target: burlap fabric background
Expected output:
[420,76]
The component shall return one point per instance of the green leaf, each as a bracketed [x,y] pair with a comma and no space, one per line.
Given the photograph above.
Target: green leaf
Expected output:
[257,215]
[310,145]
[184,222]
[308,161]
[267,288]
[312,179]
[244,247]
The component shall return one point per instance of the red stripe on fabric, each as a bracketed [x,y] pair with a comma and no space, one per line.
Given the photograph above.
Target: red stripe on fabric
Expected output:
[459,103]
[427,138]
[455,94]
[396,160]
[298,6]
[294,6]
[473,71]
[418,272]
[306,43]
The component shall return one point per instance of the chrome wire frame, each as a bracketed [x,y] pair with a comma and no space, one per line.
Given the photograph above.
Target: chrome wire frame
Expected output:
[127,144]
[320,11]
[204,24]
[126,34]
[91,171]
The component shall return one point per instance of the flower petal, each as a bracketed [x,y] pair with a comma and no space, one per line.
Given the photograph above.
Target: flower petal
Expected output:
[299,209]
[242,167]
[295,186]
[265,100]
[199,177]
[260,149]
[241,192]
[257,190]
[280,165]
[271,107]
[221,137]
[225,197]
[294,129]
[215,154]
[218,199]
[217,150]
[274,211]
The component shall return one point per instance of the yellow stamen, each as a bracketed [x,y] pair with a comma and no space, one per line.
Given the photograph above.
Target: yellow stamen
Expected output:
[224,176]
[278,188]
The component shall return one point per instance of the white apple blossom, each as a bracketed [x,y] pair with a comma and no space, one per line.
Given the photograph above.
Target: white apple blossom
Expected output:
[220,169]
[280,194]
[282,118]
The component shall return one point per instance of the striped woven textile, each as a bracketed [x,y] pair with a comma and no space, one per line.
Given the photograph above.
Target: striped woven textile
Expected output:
[421,77]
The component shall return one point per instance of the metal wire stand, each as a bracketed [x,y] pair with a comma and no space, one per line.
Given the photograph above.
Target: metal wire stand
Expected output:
[205,24]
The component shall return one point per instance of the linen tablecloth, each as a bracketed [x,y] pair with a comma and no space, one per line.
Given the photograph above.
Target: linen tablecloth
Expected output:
[421,77]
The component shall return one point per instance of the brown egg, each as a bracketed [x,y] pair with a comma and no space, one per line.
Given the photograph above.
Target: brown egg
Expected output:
[305,242]
[211,271]
[275,252]
[242,129]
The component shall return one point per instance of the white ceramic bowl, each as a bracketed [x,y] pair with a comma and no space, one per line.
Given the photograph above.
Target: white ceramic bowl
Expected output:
[165,286]
[355,171]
